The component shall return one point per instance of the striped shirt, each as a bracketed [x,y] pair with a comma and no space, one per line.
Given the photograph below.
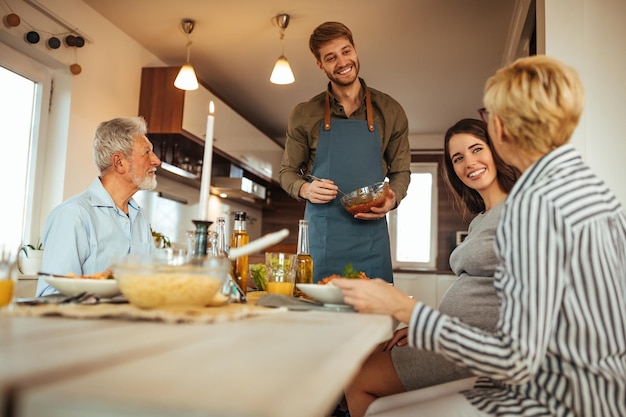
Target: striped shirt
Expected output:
[560,344]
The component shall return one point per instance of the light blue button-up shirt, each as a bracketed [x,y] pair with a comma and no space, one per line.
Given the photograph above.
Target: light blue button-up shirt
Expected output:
[82,234]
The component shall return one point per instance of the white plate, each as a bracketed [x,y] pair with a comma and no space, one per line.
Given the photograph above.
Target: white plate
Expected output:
[326,294]
[104,288]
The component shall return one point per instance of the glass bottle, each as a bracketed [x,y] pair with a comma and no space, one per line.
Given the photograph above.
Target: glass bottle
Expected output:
[240,238]
[221,250]
[222,245]
[304,274]
[211,243]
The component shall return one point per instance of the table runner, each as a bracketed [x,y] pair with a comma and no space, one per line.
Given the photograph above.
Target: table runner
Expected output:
[179,314]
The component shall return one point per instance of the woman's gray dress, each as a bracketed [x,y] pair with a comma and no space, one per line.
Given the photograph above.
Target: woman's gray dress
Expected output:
[471,297]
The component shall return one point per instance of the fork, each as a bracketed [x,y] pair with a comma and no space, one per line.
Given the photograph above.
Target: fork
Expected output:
[80,298]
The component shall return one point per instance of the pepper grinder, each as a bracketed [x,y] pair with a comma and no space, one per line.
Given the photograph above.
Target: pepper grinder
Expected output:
[202,232]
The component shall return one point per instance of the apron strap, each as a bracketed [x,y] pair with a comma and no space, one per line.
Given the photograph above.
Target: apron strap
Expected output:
[368,110]
[327,112]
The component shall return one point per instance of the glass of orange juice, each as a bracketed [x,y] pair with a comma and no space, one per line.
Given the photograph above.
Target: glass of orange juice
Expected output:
[281,272]
[8,260]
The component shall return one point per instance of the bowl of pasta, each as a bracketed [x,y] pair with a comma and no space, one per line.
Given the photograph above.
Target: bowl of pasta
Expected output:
[153,281]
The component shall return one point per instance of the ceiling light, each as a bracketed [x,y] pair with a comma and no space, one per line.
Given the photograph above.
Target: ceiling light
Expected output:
[282,73]
[186,78]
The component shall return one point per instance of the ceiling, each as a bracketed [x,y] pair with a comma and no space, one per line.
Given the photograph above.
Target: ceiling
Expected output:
[433,56]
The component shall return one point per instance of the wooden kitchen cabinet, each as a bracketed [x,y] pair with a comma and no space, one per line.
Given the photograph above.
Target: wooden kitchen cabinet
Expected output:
[169,110]
[176,115]
[160,105]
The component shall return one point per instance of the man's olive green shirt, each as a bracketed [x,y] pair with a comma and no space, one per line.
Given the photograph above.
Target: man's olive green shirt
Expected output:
[303,132]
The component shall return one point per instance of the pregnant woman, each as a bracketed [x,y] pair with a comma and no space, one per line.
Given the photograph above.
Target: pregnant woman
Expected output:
[479,181]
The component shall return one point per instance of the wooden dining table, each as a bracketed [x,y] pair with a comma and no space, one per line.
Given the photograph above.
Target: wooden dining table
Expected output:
[285,364]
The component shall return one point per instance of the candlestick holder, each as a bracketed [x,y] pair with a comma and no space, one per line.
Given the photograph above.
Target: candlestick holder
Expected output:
[202,233]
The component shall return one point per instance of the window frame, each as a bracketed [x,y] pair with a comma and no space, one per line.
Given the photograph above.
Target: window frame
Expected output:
[418,168]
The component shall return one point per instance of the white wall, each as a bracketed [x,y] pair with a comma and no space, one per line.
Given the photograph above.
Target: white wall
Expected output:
[107,87]
[589,35]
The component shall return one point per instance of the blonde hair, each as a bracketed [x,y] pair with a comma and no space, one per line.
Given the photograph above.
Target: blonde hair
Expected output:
[539,101]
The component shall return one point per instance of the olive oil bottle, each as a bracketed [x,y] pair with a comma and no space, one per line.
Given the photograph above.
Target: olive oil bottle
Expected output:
[304,274]
[240,238]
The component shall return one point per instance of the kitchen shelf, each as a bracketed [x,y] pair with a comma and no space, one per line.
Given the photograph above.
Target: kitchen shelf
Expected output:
[178,171]
[174,173]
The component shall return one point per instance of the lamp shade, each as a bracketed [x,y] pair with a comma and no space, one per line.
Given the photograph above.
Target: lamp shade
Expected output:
[282,74]
[186,78]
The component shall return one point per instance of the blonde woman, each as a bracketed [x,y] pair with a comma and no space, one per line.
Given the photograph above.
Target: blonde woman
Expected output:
[559,347]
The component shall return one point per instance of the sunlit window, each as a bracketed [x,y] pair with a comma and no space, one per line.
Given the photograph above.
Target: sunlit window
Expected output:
[413,225]
[16,114]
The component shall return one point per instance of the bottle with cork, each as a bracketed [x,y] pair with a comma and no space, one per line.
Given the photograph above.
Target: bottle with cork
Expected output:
[304,273]
[240,238]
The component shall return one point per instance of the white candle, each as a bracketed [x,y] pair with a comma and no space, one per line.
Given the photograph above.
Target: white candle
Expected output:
[205,185]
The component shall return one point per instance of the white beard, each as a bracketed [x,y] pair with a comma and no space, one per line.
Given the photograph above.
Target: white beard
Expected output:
[148,183]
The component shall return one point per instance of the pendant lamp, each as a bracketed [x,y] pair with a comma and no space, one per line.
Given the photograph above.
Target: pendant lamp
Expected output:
[186,78]
[282,73]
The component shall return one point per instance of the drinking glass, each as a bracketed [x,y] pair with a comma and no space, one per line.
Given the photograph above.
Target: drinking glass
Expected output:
[281,272]
[8,277]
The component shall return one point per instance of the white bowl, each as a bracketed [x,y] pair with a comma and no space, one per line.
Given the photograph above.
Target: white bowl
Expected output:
[326,294]
[103,288]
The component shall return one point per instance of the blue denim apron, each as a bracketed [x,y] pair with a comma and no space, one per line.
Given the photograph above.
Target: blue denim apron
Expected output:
[349,154]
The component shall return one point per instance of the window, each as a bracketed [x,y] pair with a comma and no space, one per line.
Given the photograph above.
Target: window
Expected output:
[16,107]
[413,225]
[23,117]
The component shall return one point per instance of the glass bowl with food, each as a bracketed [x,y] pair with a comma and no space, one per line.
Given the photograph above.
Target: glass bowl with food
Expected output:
[171,279]
[363,199]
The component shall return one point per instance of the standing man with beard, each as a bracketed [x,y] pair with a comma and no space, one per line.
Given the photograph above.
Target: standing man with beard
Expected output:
[83,233]
[350,136]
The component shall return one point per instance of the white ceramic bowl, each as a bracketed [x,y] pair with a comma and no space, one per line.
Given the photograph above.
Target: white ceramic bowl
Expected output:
[103,288]
[326,294]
